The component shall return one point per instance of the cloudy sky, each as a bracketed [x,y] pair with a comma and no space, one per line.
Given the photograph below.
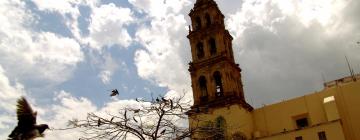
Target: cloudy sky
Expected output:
[65,55]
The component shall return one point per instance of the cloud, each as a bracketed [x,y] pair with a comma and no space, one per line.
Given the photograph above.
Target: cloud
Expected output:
[160,8]
[9,93]
[284,50]
[30,55]
[161,60]
[58,115]
[109,66]
[108,26]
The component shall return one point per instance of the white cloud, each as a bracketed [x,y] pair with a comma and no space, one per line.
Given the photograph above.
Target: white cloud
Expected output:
[108,26]
[58,115]
[284,48]
[162,59]
[69,9]
[159,8]
[31,55]
[9,93]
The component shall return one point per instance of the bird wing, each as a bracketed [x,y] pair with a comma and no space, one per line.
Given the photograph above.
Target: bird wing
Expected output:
[25,114]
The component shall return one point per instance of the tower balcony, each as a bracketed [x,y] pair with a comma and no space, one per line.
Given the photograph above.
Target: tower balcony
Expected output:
[205,31]
[218,102]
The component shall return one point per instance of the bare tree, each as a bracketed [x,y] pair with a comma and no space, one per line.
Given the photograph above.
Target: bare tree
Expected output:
[160,118]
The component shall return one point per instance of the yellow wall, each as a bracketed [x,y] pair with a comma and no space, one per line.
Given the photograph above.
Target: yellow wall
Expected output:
[273,119]
[237,119]
[277,117]
[348,101]
[333,132]
[340,119]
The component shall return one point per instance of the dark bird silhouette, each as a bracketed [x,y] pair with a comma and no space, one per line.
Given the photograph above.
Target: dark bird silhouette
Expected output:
[136,110]
[163,132]
[358,42]
[114,92]
[26,128]
[98,123]
[157,100]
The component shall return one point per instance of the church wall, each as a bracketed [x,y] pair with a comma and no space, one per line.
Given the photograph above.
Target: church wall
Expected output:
[282,116]
[333,131]
[348,102]
[237,119]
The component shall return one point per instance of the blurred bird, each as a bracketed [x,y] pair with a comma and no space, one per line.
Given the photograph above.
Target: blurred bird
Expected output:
[114,92]
[358,42]
[98,123]
[163,132]
[136,110]
[26,128]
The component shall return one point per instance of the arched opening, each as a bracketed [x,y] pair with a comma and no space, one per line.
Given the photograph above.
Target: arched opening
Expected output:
[208,19]
[200,50]
[212,44]
[239,136]
[218,84]
[197,23]
[220,128]
[203,89]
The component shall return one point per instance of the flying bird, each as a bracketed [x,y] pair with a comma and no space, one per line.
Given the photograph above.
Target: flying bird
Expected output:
[114,92]
[163,132]
[26,128]
[98,123]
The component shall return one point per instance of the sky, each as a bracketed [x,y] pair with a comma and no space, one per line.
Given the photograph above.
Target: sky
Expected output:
[65,56]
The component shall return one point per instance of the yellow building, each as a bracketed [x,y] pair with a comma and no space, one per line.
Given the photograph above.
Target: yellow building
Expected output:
[221,112]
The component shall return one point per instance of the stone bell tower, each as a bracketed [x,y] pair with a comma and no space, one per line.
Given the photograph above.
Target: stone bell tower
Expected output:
[216,79]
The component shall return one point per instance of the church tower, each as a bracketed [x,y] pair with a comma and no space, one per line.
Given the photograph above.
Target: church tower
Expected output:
[216,78]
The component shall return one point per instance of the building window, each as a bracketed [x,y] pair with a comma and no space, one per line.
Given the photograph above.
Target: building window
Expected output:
[218,84]
[302,122]
[298,138]
[200,50]
[322,135]
[220,127]
[208,19]
[203,89]
[239,136]
[212,43]
[197,23]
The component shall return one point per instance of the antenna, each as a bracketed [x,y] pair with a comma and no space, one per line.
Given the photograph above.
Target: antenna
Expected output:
[350,69]
[323,78]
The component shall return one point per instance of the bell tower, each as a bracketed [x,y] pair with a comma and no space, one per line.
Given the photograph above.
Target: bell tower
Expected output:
[215,77]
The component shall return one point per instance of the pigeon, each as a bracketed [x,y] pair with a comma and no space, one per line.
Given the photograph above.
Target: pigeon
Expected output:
[163,132]
[27,129]
[98,123]
[136,110]
[114,92]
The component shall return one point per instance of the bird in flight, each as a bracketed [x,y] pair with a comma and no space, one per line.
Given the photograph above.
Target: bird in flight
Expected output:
[27,129]
[114,92]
